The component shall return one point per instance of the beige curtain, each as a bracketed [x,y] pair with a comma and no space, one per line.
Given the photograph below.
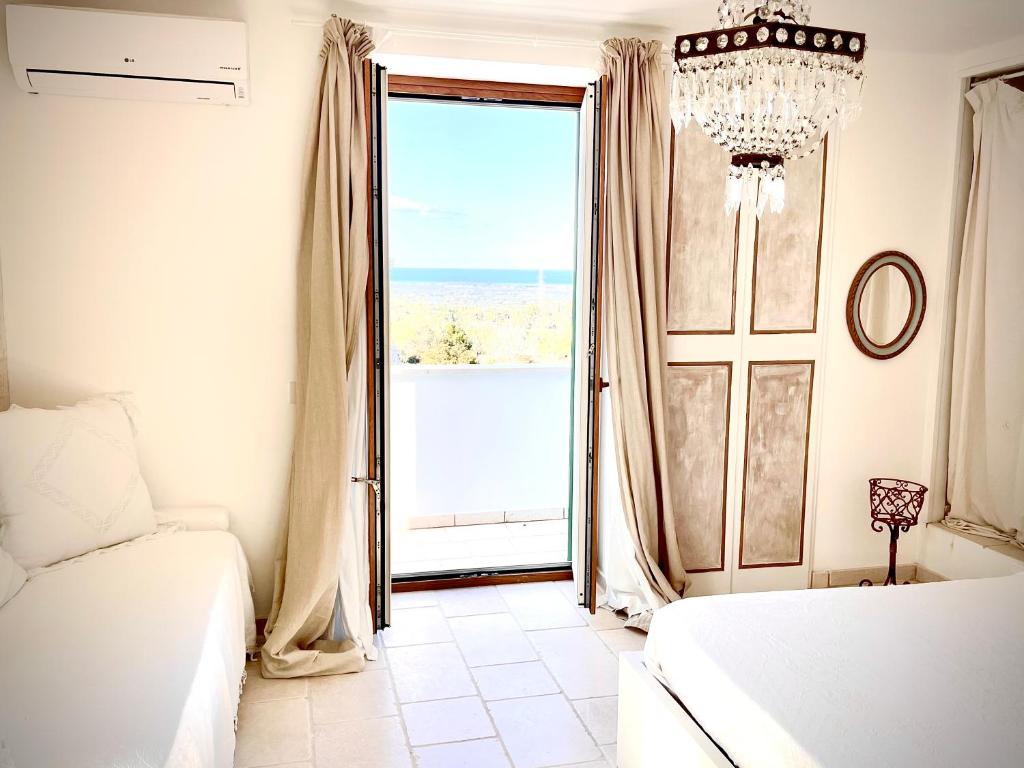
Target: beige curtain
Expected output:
[986,443]
[635,326]
[333,265]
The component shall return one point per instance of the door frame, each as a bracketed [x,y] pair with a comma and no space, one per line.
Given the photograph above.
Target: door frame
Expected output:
[486,91]
[454,90]
[378,544]
[595,384]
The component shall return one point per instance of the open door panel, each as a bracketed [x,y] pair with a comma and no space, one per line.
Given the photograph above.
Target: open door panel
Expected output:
[378,538]
[589,339]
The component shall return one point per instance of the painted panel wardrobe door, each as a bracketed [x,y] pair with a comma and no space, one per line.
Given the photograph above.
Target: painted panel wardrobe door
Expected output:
[774,502]
[775,466]
[787,253]
[698,410]
[742,452]
[703,307]
[702,240]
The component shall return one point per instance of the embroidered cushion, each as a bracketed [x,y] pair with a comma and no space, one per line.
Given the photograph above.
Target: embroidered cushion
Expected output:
[69,481]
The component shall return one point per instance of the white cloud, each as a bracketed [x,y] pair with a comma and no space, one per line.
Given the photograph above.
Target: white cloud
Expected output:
[399,203]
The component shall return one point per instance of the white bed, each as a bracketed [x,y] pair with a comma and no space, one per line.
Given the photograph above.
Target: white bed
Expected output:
[131,656]
[925,675]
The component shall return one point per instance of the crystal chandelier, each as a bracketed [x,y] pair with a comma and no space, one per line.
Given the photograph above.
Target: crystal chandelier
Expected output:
[767,87]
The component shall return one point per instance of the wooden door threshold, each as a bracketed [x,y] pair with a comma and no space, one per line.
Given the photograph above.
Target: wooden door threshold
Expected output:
[458,579]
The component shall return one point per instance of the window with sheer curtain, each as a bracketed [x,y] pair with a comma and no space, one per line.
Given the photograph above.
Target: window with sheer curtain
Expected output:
[985,486]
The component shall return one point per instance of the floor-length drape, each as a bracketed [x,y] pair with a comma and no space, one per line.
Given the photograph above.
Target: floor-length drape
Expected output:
[635,325]
[986,444]
[352,617]
[332,271]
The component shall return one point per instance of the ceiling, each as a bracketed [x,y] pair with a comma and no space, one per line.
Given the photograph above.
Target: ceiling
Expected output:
[907,25]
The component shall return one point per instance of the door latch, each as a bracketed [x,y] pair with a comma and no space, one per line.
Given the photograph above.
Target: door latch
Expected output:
[370,481]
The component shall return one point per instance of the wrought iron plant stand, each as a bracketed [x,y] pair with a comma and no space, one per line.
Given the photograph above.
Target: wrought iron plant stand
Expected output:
[895,504]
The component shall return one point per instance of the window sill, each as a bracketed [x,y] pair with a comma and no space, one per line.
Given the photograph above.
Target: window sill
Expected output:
[996,546]
[958,555]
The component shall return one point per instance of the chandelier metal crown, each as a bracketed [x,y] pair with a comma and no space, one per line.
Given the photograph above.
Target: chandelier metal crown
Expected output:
[767,87]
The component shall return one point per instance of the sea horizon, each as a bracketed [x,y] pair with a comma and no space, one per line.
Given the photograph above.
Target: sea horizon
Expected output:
[482,276]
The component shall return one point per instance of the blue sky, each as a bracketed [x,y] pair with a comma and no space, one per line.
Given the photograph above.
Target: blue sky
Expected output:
[481,187]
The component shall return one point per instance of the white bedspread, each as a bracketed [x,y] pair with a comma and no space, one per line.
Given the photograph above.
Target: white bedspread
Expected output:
[130,657]
[926,675]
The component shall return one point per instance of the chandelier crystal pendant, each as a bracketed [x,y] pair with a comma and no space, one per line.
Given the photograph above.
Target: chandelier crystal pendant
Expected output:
[767,87]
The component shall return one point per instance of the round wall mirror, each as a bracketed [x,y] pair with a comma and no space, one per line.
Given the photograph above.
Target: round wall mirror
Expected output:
[886,305]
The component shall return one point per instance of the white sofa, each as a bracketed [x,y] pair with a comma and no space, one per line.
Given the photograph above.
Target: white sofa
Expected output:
[130,656]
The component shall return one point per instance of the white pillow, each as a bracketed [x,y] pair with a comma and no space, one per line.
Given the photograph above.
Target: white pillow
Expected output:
[12,577]
[69,481]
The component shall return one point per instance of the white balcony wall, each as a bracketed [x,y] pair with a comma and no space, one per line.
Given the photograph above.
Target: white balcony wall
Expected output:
[478,438]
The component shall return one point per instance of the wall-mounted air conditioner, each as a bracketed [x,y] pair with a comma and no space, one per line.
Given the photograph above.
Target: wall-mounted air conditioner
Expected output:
[114,55]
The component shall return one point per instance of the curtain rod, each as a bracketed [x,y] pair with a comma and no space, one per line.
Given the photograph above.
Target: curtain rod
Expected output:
[535,42]
[978,79]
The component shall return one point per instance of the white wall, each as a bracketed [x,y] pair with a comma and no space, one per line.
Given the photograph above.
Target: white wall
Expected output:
[151,247]
[894,188]
[479,438]
[958,556]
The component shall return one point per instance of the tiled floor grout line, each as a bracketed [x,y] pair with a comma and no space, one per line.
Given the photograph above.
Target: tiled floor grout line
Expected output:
[558,683]
[469,670]
[472,677]
[476,686]
[615,654]
[398,704]
[570,700]
[312,728]
[539,658]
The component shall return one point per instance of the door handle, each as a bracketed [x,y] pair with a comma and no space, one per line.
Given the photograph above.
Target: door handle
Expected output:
[370,481]
[375,484]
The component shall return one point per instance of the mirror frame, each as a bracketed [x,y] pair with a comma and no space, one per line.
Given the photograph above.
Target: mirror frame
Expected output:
[918,302]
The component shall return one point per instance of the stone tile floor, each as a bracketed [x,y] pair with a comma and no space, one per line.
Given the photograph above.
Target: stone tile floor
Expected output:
[513,676]
[537,542]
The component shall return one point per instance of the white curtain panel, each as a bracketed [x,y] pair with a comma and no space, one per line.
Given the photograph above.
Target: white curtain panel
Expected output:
[635,324]
[332,269]
[621,584]
[986,446]
[355,617]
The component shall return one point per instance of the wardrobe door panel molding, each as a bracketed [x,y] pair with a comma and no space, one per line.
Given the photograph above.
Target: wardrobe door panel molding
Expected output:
[762,452]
